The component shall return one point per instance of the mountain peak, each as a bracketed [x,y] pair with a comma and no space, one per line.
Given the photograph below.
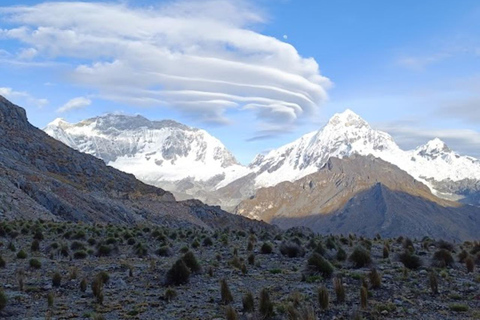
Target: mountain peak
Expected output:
[347,118]
[434,146]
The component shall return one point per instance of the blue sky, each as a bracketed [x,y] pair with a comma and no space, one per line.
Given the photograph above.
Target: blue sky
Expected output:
[254,74]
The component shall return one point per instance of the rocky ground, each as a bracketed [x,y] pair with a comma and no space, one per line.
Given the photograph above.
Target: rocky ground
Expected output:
[135,264]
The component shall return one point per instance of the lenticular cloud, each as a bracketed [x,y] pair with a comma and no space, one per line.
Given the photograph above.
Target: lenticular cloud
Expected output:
[200,57]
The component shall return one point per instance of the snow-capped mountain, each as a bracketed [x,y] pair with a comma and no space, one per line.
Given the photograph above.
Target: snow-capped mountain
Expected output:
[192,163]
[154,151]
[346,134]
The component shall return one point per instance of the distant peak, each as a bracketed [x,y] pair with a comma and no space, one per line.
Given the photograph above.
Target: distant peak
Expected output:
[347,118]
[57,122]
[434,146]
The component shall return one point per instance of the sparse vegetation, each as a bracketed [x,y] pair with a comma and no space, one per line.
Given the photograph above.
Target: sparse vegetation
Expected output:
[360,257]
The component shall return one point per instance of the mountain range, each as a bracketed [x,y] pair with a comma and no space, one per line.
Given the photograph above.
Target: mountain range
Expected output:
[42,178]
[191,163]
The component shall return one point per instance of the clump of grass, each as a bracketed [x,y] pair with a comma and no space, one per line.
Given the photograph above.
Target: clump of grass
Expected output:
[363,297]
[97,289]
[319,264]
[360,257]
[225,294]
[230,313]
[410,260]
[323,297]
[35,247]
[170,294]
[3,263]
[339,289]
[265,304]
[341,254]
[248,302]
[20,278]
[433,281]
[291,250]
[3,299]
[21,254]
[83,285]
[386,252]
[458,307]
[56,279]
[470,264]
[207,242]
[178,274]
[375,279]
[165,251]
[266,248]
[191,262]
[50,299]
[35,264]
[443,258]
[251,259]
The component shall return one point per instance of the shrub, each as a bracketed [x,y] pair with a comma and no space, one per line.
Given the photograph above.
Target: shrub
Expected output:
[207,242]
[77,245]
[230,313]
[441,244]
[433,281]
[319,264]
[165,251]
[191,262]
[470,264]
[178,274]
[323,297]
[80,255]
[360,257]
[97,289]
[2,262]
[248,302]
[375,279]
[35,246]
[265,305]
[225,294]
[339,289]
[341,254]
[251,259]
[266,248]
[443,258]
[170,294]
[458,307]
[103,275]
[330,244]
[21,254]
[363,297]
[410,260]
[3,300]
[291,250]
[386,252]
[35,264]
[250,246]
[56,279]
[320,249]
[50,299]
[103,251]
[83,285]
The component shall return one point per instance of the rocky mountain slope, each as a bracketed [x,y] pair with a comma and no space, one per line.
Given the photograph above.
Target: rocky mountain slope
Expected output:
[364,195]
[41,177]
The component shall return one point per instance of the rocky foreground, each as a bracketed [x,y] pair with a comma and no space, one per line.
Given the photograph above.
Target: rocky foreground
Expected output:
[79,271]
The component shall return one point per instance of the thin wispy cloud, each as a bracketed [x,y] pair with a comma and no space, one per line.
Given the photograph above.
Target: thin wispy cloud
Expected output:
[75,104]
[200,57]
[22,96]
[420,63]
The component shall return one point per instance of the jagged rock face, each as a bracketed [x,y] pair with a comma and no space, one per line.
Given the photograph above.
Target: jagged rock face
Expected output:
[41,177]
[341,187]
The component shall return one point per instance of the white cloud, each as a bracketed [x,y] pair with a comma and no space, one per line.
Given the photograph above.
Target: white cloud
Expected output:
[23,96]
[201,57]
[411,135]
[421,63]
[74,104]
[27,54]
